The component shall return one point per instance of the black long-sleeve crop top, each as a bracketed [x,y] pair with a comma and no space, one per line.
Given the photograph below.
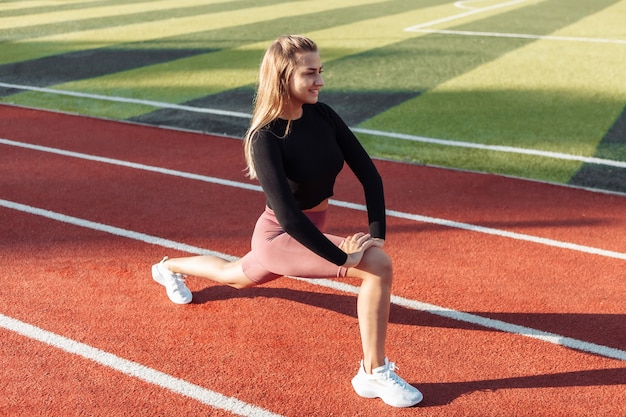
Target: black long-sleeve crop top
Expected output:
[297,171]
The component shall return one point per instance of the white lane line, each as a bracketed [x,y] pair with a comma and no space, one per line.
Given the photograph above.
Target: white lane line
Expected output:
[337,285]
[87,224]
[491,231]
[522,36]
[339,203]
[552,338]
[134,369]
[463,15]
[414,138]
[133,165]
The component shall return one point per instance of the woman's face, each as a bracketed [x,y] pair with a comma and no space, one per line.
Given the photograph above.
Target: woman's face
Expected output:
[306,81]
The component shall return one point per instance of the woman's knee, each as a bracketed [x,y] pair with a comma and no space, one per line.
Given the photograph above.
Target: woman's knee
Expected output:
[377,263]
[381,258]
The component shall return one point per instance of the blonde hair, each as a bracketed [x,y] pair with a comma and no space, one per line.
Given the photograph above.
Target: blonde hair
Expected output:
[272,95]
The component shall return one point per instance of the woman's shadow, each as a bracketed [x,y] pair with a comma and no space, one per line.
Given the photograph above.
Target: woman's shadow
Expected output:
[436,394]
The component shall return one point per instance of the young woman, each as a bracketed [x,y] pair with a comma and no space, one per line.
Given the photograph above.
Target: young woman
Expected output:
[296,146]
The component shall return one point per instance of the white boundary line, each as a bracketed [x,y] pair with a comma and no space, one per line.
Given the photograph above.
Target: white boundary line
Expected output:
[462,4]
[521,36]
[337,285]
[345,204]
[475,10]
[158,104]
[463,15]
[495,148]
[402,136]
[134,369]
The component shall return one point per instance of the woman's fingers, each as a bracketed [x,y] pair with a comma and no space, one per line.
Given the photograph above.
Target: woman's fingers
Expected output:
[357,242]
[356,245]
[364,238]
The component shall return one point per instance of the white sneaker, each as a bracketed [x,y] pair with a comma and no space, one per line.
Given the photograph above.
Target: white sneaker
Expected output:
[385,384]
[174,283]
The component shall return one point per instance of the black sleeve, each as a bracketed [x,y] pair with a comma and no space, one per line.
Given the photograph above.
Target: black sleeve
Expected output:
[361,164]
[268,164]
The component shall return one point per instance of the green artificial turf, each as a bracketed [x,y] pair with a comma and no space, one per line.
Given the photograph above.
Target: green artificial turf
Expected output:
[555,95]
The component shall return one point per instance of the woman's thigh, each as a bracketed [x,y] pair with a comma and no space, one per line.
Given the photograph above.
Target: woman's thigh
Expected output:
[286,256]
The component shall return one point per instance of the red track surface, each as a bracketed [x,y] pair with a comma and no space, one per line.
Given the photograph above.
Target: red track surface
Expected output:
[291,347]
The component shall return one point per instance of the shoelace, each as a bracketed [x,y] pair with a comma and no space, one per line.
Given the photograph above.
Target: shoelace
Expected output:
[179,280]
[390,374]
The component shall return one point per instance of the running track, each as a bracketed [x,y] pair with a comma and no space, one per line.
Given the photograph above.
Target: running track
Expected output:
[508,299]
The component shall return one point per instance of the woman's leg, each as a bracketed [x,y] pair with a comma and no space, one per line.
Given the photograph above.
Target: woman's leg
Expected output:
[376,273]
[211,267]
[377,376]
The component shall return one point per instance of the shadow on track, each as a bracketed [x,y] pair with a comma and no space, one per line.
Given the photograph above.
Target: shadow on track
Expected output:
[438,394]
[602,329]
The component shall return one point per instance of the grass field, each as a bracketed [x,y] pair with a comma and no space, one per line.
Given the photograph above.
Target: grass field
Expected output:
[528,88]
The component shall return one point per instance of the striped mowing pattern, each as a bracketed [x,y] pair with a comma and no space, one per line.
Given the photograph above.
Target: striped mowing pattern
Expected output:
[509,73]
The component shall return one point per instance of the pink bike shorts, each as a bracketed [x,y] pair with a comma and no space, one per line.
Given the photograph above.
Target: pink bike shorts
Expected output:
[275,253]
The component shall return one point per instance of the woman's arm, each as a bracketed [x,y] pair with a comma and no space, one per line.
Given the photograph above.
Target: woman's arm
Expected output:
[271,174]
[363,167]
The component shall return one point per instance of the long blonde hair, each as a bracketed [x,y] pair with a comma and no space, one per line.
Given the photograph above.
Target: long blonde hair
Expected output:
[272,95]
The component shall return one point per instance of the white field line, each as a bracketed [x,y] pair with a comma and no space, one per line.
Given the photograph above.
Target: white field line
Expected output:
[522,36]
[463,15]
[463,4]
[414,138]
[495,148]
[134,369]
[339,203]
[337,285]
[158,104]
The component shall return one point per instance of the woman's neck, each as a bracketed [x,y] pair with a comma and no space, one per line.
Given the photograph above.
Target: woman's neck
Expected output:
[292,113]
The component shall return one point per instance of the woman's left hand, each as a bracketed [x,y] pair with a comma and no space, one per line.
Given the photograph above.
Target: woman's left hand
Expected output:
[356,245]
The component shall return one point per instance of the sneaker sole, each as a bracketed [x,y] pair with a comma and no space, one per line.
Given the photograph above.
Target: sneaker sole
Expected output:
[372,394]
